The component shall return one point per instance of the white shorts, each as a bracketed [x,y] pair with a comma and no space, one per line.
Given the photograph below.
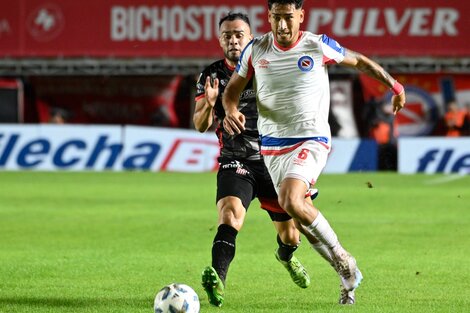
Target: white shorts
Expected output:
[306,163]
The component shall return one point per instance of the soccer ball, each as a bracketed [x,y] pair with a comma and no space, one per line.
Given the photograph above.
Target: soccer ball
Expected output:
[176,298]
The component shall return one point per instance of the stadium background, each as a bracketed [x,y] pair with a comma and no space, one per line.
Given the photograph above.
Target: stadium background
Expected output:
[134,64]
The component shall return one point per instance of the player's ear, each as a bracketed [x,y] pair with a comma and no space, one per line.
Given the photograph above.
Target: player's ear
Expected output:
[221,42]
[302,15]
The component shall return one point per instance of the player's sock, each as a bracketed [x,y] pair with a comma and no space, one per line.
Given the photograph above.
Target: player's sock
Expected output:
[322,230]
[284,251]
[223,249]
[324,251]
[344,263]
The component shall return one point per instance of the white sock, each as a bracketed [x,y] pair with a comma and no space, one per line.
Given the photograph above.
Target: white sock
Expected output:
[322,230]
[324,251]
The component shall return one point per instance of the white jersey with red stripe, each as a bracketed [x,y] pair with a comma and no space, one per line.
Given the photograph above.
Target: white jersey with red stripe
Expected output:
[292,88]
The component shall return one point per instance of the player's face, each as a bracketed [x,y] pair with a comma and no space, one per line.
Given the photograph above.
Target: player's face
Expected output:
[285,22]
[234,36]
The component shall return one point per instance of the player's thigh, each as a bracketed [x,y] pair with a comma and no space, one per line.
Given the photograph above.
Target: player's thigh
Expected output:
[267,194]
[235,180]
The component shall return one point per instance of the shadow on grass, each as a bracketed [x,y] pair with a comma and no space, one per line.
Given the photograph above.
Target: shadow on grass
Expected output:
[74,302]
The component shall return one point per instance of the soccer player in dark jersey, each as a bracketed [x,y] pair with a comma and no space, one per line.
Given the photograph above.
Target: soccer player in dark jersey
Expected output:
[242,175]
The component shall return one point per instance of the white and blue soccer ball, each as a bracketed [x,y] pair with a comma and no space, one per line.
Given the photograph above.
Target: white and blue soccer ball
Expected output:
[176,298]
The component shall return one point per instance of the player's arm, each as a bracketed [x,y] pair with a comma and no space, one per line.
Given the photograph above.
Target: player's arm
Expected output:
[234,121]
[203,112]
[374,70]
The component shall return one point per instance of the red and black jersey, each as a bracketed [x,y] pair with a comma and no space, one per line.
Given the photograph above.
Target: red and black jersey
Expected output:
[245,146]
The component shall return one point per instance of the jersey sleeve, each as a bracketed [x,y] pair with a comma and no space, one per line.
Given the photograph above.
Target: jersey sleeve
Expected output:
[333,52]
[245,67]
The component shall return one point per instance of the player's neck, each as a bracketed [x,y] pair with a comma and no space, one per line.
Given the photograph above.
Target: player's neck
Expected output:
[230,64]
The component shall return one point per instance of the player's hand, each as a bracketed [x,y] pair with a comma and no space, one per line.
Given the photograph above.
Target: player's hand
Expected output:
[398,102]
[211,92]
[234,122]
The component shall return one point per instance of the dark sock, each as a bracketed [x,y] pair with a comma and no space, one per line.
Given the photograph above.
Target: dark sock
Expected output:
[223,249]
[284,251]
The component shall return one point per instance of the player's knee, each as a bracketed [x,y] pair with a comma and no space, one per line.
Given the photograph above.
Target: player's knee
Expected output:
[290,203]
[231,212]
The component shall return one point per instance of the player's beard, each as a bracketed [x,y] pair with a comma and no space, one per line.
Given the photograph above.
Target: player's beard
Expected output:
[232,56]
[285,40]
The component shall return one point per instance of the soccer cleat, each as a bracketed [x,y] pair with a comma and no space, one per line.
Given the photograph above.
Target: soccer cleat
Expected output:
[213,286]
[296,270]
[346,297]
[348,271]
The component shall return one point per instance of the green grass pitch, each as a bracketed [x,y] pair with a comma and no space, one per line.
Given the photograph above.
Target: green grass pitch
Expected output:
[107,242]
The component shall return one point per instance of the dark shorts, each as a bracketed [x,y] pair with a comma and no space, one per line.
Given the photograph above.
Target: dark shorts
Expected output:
[246,181]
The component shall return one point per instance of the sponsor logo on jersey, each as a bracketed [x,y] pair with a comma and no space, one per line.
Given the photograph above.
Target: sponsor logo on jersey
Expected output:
[263,63]
[224,82]
[247,94]
[305,63]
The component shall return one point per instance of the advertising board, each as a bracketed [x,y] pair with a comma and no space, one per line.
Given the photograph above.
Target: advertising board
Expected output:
[114,148]
[161,28]
[434,155]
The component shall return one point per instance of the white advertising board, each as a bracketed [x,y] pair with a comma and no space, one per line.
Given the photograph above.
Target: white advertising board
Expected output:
[432,155]
[115,148]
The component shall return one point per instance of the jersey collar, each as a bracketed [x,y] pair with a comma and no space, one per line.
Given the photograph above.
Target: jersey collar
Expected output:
[291,46]
[231,68]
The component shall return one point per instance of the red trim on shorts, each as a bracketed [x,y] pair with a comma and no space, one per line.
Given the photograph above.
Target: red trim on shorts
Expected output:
[271,205]
[323,144]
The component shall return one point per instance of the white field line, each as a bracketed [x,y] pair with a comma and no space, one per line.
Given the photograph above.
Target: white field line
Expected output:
[445,179]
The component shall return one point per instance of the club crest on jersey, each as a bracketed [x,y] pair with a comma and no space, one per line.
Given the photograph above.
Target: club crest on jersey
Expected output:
[305,63]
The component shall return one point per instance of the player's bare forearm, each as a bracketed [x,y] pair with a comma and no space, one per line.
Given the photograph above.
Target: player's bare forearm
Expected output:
[374,70]
[234,121]
[368,67]
[230,97]
[203,115]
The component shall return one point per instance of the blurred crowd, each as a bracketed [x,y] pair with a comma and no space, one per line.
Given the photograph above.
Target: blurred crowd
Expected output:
[457,120]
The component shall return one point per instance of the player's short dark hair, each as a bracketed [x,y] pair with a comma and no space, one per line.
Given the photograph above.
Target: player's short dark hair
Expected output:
[298,3]
[232,16]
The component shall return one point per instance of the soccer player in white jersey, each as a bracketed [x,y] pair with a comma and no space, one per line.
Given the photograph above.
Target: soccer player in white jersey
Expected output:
[289,68]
